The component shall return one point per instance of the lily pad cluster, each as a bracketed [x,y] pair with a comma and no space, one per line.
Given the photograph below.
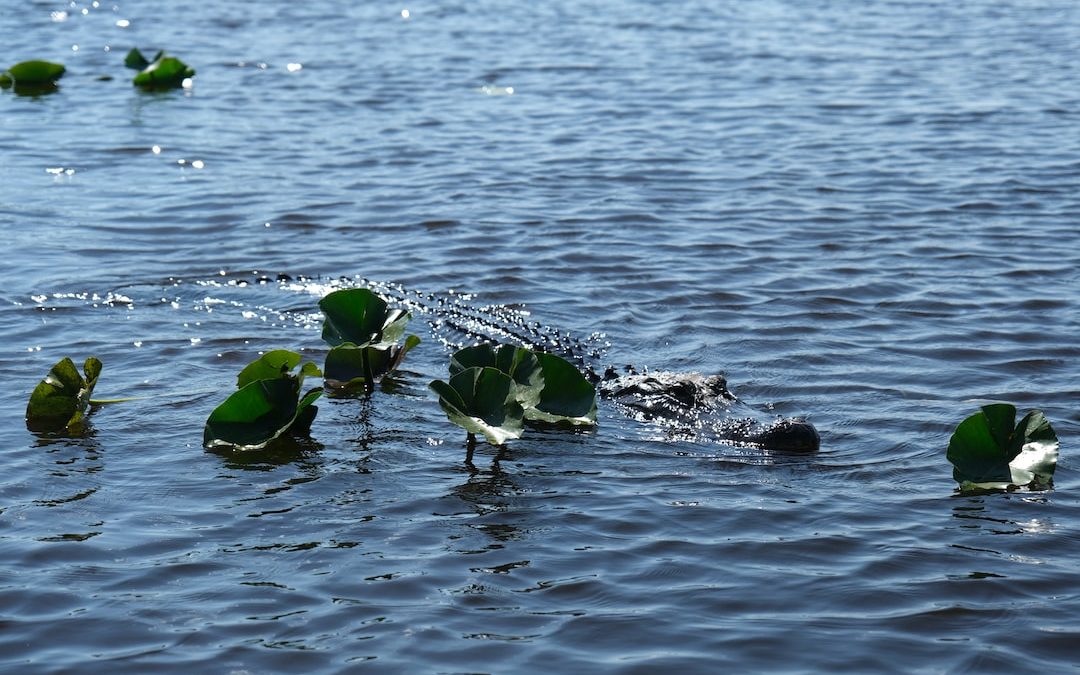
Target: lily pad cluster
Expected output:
[270,401]
[161,72]
[32,76]
[39,77]
[494,389]
[266,405]
[990,450]
[60,401]
[363,333]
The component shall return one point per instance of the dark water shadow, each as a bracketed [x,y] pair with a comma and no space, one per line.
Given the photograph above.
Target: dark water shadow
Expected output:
[279,452]
[35,90]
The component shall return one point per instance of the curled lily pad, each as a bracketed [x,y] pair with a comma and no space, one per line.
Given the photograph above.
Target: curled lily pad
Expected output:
[32,73]
[166,72]
[348,368]
[274,365]
[482,401]
[260,412]
[520,364]
[988,452]
[137,61]
[363,332]
[61,399]
[358,316]
[567,398]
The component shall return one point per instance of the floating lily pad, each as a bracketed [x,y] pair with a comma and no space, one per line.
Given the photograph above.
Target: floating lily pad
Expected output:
[61,399]
[987,451]
[32,74]
[482,401]
[166,72]
[260,412]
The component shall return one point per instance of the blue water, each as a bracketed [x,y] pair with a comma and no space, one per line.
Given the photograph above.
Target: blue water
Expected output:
[862,213]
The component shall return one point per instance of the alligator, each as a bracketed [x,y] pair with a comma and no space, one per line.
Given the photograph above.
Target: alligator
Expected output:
[688,405]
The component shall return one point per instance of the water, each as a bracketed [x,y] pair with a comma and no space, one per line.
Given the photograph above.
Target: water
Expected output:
[864,213]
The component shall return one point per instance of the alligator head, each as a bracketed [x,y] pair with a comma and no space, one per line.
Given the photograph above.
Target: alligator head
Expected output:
[692,400]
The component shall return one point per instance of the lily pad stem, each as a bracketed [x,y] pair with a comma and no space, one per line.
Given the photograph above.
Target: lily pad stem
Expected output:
[470,445]
[369,377]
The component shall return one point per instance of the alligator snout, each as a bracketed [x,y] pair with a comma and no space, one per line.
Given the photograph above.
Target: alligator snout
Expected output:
[697,401]
[789,435]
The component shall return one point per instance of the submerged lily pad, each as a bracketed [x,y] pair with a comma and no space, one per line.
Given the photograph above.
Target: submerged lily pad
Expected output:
[260,412]
[482,401]
[345,364]
[32,73]
[166,72]
[987,451]
[60,400]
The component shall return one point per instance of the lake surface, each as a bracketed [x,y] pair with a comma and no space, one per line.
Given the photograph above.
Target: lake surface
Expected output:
[866,214]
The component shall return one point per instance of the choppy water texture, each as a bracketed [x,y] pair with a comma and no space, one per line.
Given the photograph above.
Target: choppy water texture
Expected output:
[864,213]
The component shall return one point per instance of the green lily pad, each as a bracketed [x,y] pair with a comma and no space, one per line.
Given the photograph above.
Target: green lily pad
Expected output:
[359,317]
[137,61]
[363,332]
[987,451]
[345,364]
[260,412]
[482,401]
[32,73]
[520,364]
[166,72]
[274,365]
[61,399]
[567,398]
